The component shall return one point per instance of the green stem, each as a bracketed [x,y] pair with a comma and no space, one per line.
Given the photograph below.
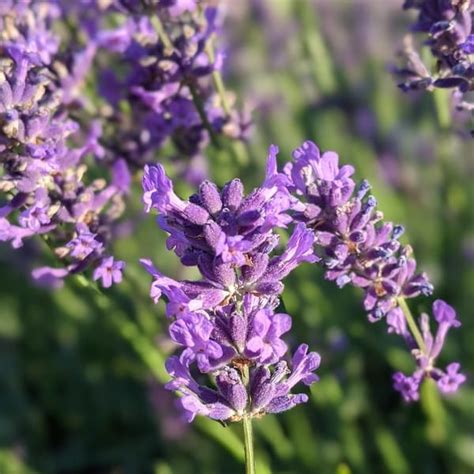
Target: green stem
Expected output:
[217,79]
[239,152]
[441,99]
[202,113]
[248,441]
[237,149]
[159,28]
[412,324]
[248,432]
[315,48]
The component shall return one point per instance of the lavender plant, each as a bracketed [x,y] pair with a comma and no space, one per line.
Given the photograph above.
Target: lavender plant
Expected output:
[227,323]
[108,87]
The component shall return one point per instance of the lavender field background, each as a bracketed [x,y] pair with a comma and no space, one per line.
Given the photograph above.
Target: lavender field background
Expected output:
[81,386]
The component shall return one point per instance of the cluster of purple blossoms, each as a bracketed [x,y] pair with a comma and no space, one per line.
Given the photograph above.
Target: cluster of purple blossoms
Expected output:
[161,91]
[154,75]
[356,246]
[226,323]
[448,26]
[43,150]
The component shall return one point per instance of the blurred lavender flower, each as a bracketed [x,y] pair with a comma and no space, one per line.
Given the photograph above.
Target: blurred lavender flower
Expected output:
[448,29]
[357,247]
[42,150]
[226,323]
[164,93]
[50,126]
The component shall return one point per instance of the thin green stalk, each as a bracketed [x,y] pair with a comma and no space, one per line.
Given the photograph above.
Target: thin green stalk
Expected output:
[248,432]
[238,150]
[159,28]
[248,441]
[315,47]
[412,324]
[202,114]
[217,79]
[441,99]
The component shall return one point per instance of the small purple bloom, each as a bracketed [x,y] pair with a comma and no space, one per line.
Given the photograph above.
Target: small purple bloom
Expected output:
[264,343]
[194,332]
[178,7]
[445,314]
[83,245]
[304,364]
[407,386]
[159,192]
[50,277]
[452,379]
[468,46]
[109,271]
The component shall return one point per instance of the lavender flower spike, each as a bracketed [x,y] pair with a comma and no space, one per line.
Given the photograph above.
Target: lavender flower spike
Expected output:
[356,246]
[225,324]
[447,29]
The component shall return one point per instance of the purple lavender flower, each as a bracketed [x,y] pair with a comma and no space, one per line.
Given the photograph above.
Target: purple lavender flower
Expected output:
[83,245]
[109,271]
[42,150]
[407,386]
[357,247]
[193,331]
[263,340]
[452,379]
[226,322]
[269,391]
[218,230]
[448,30]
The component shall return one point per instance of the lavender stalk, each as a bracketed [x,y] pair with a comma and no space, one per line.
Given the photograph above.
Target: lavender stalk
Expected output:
[412,324]
[356,246]
[226,324]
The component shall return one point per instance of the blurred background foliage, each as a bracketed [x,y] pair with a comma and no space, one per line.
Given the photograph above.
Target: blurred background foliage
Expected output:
[81,372]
